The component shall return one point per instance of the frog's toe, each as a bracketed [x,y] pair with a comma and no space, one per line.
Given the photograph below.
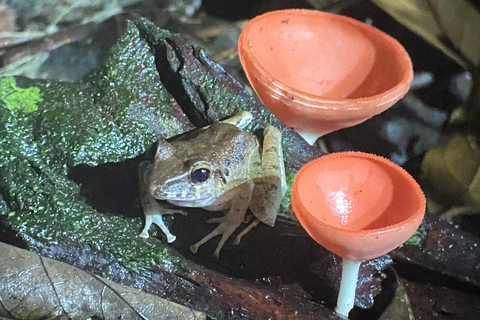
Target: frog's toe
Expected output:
[245,231]
[215,255]
[214,233]
[194,248]
[171,238]
[144,234]
[216,220]
[156,219]
[224,238]
[225,229]
[173,211]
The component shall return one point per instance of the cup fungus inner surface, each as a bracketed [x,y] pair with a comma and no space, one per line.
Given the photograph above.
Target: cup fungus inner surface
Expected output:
[326,55]
[357,193]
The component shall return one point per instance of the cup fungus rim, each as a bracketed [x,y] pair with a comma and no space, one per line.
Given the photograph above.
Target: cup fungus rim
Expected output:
[414,218]
[365,102]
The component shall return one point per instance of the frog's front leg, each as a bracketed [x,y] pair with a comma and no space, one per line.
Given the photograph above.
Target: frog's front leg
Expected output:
[152,210]
[231,221]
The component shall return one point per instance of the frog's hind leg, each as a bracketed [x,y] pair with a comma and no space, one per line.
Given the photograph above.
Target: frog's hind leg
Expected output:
[230,222]
[270,184]
[272,163]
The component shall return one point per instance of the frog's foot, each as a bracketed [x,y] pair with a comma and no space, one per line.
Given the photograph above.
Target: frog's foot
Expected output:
[158,220]
[246,230]
[225,228]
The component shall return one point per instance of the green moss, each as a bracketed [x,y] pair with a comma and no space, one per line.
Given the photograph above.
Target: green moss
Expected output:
[48,126]
[228,105]
[15,98]
[3,206]
[418,237]
[114,115]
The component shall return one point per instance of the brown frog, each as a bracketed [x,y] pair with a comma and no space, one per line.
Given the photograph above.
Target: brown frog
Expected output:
[221,168]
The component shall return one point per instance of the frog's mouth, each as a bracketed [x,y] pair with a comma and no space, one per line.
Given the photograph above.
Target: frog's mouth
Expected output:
[183,199]
[192,203]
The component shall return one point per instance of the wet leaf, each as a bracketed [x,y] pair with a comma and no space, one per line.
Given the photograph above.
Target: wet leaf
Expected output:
[451,26]
[7,18]
[446,250]
[434,301]
[35,287]
[450,172]
[399,308]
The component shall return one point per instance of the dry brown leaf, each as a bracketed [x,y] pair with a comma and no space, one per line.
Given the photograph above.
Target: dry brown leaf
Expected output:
[451,174]
[440,22]
[7,18]
[33,287]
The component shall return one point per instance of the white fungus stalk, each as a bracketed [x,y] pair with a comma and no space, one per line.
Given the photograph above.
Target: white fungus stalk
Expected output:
[311,138]
[348,284]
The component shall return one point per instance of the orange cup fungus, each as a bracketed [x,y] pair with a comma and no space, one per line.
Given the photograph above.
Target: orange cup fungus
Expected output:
[319,72]
[357,205]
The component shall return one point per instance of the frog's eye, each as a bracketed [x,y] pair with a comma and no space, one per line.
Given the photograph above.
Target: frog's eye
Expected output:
[200,173]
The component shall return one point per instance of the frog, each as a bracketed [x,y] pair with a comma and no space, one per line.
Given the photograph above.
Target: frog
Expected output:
[220,167]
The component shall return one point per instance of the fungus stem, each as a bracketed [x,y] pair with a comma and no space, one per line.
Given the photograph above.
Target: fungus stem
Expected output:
[348,284]
[311,138]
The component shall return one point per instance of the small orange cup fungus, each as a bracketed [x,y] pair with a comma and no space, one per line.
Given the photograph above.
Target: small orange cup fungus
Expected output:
[320,72]
[359,206]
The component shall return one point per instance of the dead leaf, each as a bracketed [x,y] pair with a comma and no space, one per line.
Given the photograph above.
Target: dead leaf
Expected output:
[33,287]
[450,172]
[7,18]
[443,24]
[399,308]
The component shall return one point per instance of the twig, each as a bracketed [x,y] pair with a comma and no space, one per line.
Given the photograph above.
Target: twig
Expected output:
[46,43]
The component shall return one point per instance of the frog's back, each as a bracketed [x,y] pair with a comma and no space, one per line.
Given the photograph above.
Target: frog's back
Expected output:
[222,144]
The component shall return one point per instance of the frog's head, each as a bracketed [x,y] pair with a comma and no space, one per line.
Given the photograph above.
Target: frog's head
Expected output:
[177,178]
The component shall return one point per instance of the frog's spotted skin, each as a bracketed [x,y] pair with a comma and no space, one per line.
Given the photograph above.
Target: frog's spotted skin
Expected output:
[221,168]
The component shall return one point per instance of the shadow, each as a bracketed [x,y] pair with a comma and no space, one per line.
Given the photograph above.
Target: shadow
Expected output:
[111,187]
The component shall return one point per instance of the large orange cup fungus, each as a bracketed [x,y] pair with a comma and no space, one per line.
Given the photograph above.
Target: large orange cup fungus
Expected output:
[320,72]
[359,206]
